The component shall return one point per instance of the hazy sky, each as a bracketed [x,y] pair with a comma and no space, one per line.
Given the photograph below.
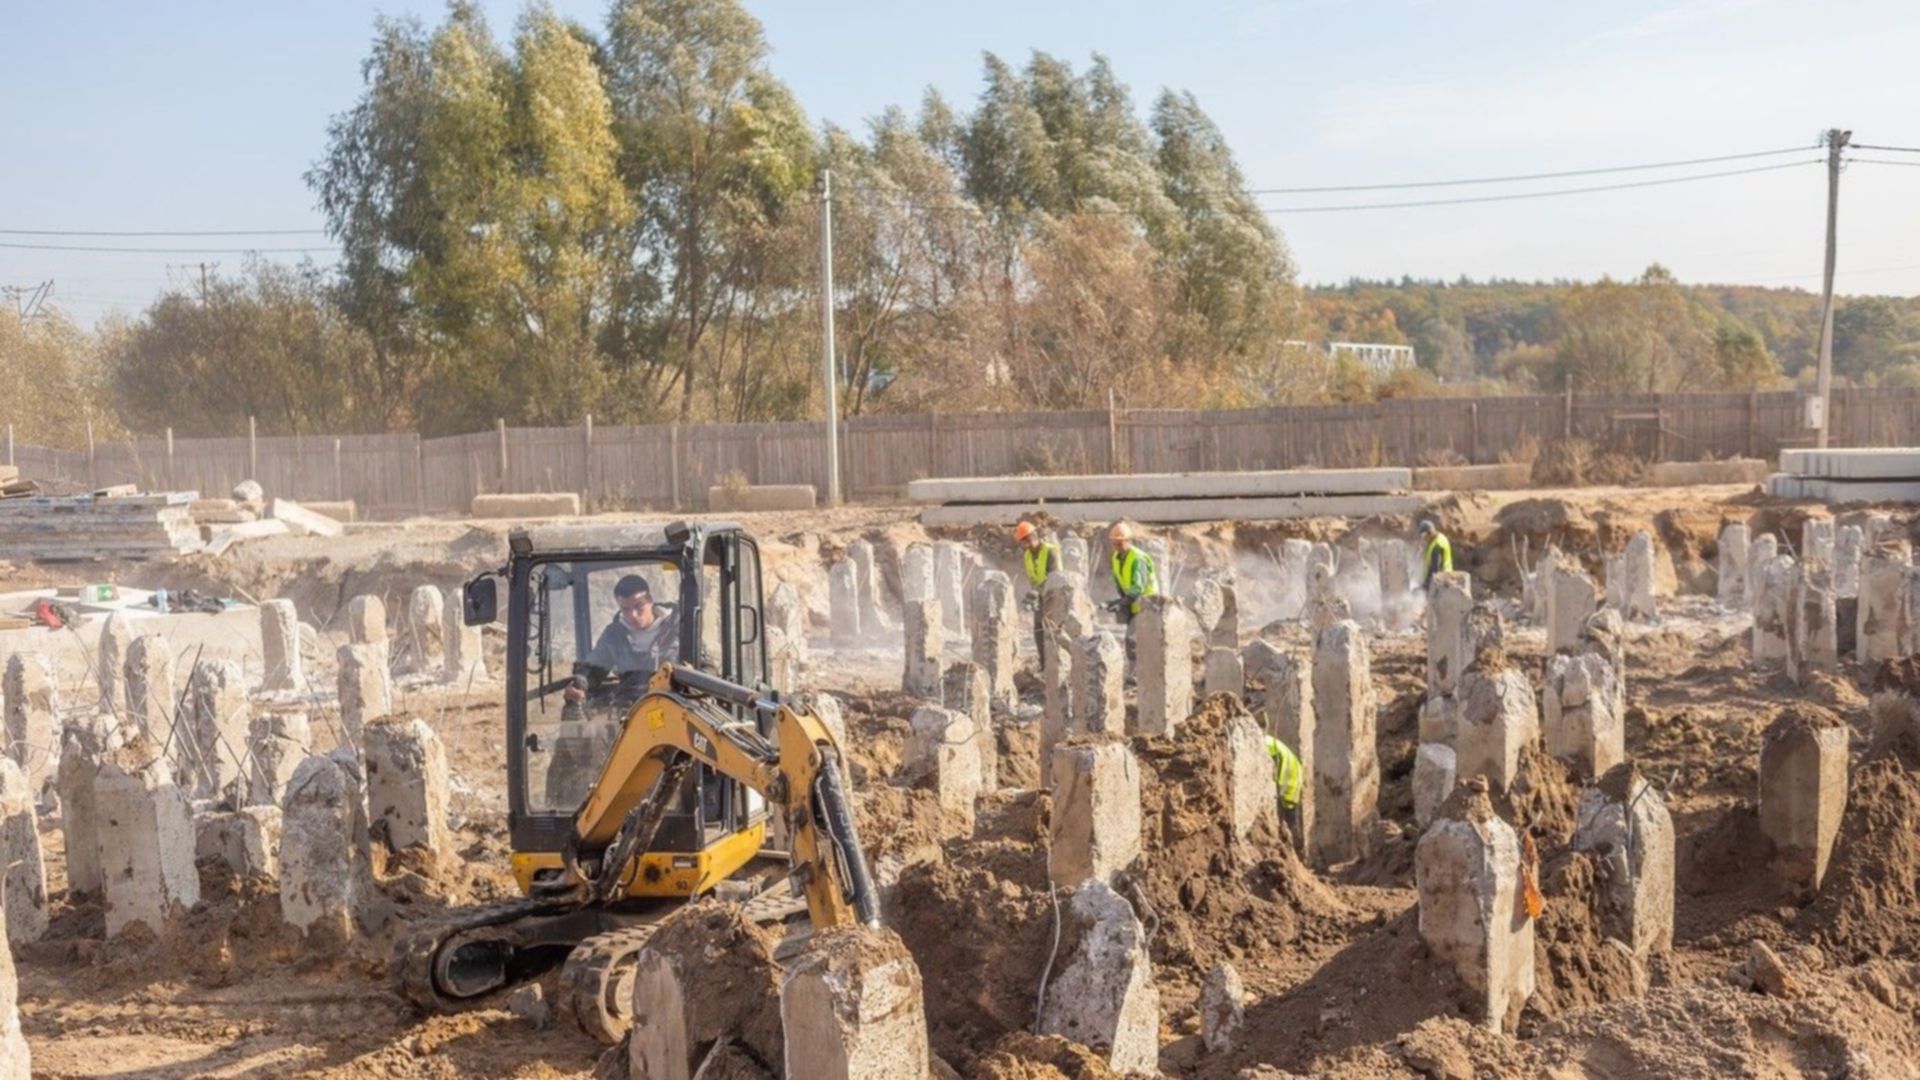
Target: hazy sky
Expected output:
[204,115]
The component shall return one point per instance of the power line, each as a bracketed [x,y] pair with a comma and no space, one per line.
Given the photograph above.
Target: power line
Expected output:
[1891,149]
[1526,176]
[163,232]
[170,251]
[1536,194]
[1883,161]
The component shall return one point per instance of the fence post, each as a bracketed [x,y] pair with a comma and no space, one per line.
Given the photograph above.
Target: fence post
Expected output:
[1473,433]
[673,462]
[339,473]
[10,461]
[500,427]
[420,473]
[1566,415]
[253,450]
[93,481]
[933,443]
[1753,420]
[173,483]
[586,466]
[1113,436]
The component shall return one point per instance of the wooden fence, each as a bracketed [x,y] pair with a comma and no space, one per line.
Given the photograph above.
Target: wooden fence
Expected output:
[671,466]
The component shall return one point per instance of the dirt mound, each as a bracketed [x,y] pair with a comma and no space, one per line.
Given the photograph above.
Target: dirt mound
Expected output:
[1544,797]
[981,928]
[1023,1056]
[1576,966]
[1213,898]
[1870,903]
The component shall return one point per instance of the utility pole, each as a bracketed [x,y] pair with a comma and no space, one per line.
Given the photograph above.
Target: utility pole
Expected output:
[827,367]
[1836,142]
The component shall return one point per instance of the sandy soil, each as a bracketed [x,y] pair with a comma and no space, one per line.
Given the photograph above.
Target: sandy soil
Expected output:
[1338,983]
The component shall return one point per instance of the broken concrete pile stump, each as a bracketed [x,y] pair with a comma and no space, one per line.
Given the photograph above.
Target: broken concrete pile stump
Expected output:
[246,841]
[143,826]
[277,743]
[16,1060]
[704,984]
[1467,868]
[1494,720]
[408,788]
[1223,1008]
[466,660]
[1163,644]
[852,1008]
[867,590]
[925,630]
[963,688]
[950,563]
[82,747]
[365,617]
[943,751]
[1773,611]
[843,604]
[1571,600]
[366,687]
[1585,713]
[1094,830]
[1624,827]
[23,869]
[426,622]
[1449,645]
[1880,631]
[1102,995]
[218,720]
[1098,670]
[995,630]
[1284,706]
[318,873]
[285,667]
[1731,566]
[1630,579]
[1803,794]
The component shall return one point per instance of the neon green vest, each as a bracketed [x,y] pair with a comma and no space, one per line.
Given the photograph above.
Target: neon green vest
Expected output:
[1040,562]
[1287,773]
[1133,576]
[1440,544]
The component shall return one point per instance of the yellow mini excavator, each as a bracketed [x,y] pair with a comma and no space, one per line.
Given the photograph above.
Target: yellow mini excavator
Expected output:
[646,756]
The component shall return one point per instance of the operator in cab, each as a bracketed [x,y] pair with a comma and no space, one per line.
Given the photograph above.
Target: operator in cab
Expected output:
[642,636]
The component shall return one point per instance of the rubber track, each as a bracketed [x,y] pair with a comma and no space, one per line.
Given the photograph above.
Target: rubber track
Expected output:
[597,973]
[413,955]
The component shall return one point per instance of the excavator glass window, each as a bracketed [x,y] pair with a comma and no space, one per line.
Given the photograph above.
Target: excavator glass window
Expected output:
[596,631]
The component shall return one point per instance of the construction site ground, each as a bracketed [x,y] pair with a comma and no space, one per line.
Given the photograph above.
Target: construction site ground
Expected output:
[1338,984]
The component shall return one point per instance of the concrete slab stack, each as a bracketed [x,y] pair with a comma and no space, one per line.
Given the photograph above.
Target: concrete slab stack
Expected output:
[48,528]
[1166,497]
[1848,475]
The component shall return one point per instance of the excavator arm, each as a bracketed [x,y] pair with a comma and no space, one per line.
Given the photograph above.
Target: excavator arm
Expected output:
[681,721]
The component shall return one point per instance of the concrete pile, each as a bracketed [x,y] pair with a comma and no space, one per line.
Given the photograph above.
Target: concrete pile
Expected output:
[319,867]
[366,688]
[1880,632]
[951,561]
[995,631]
[925,630]
[143,826]
[82,746]
[1102,995]
[1813,632]
[1449,640]
[23,869]
[1094,831]
[408,788]
[1467,868]
[32,716]
[1630,579]
[852,1008]
[843,603]
[1803,793]
[110,662]
[1584,710]
[365,617]
[1097,667]
[1494,720]
[422,650]
[1849,546]
[218,720]
[1731,567]
[246,841]
[1346,771]
[16,1059]
[868,592]
[1282,701]
[284,664]
[276,743]
[1773,611]
[704,986]
[1622,824]
[943,753]
[1163,642]
[963,688]
[1223,1008]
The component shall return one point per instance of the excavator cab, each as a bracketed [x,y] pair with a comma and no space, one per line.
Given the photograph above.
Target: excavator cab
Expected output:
[592,613]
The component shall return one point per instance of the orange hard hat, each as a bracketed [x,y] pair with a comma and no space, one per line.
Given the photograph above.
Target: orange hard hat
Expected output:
[1023,530]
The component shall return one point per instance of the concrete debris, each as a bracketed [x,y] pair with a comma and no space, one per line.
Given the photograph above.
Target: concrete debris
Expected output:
[1223,1008]
[246,842]
[1102,994]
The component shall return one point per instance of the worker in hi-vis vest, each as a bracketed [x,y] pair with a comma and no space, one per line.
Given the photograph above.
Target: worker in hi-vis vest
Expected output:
[1289,776]
[1438,557]
[1134,576]
[1041,558]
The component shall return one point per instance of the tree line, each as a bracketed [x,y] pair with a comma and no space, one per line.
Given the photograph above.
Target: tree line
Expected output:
[624,221]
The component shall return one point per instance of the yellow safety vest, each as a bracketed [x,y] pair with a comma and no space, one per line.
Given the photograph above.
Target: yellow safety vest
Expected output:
[1439,544]
[1287,772]
[1133,576]
[1040,562]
